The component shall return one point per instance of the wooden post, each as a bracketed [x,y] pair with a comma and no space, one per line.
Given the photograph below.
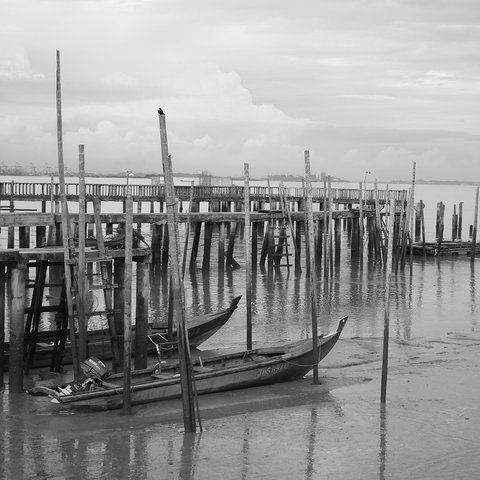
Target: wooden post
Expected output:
[118,302]
[11,230]
[248,260]
[195,245]
[69,248]
[325,227]
[17,330]
[441,225]
[156,247]
[230,261]
[187,229]
[454,223]
[460,220]
[141,313]
[388,275]
[207,245]
[422,222]
[127,309]
[254,254]
[81,298]
[186,371]
[474,231]
[361,230]
[2,324]
[412,222]
[418,224]
[221,249]
[313,279]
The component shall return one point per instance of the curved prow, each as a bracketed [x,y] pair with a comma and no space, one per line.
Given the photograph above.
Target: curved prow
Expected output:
[234,303]
[341,324]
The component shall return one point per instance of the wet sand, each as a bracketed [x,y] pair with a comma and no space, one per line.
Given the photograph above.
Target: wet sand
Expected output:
[428,428]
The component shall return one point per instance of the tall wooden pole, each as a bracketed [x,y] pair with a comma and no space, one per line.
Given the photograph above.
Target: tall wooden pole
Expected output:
[248,258]
[2,324]
[313,271]
[186,373]
[127,316]
[412,227]
[69,249]
[81,299]
[388,275]
[474,233]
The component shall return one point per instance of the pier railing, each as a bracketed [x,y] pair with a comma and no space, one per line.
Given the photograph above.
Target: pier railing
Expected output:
[23,191]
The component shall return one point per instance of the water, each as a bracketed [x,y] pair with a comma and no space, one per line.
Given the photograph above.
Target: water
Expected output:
[336,430]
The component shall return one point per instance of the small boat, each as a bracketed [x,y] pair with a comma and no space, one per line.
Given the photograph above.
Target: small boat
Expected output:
[200,328]
[97,390]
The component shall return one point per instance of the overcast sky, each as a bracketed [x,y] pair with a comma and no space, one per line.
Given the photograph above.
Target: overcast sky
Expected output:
[364,85]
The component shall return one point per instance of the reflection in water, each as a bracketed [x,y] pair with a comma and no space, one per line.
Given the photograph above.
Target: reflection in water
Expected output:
[473,299]
[383,442]
[189,455]
[245,456]
[310,460]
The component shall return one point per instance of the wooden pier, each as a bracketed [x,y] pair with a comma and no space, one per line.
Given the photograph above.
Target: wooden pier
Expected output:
[278,241]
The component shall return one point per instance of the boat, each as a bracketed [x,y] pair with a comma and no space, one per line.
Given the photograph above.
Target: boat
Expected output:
[97,390]
[199,328]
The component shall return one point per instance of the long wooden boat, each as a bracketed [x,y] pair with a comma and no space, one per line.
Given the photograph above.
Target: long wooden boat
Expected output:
[260,366]
[200,328]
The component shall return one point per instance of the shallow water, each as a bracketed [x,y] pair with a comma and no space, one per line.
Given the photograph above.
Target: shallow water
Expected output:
[337,430]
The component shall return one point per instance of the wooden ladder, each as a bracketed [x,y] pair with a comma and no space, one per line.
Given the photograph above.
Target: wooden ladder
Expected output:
[281,235]
[60,335]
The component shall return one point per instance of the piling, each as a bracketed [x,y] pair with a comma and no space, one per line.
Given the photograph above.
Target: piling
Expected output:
[2,324]
[312,269]
[248,260]
[81,296]
[17,332]
[127,317]
[186,373]
[388,275]
[66,234]
[474,231]
[141,313]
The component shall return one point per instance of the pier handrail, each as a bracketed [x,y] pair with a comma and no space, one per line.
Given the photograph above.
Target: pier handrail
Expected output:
[45,191]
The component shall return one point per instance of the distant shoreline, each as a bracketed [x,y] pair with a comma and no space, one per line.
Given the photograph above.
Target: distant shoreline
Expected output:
[284,178]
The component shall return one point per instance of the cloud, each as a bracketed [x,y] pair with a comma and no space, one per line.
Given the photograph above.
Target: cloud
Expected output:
[246,82]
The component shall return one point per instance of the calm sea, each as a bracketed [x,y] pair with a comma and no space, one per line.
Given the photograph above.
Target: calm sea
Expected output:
[431,297]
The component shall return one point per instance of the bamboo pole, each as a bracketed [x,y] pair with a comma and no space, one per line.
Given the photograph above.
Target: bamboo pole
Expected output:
[312,270]
[422,223]
[474,232]
[81,298]
[127,315]
[330,224]
[388,275]
[248,258]
[69,249]
[412,228]
[361,230]
[186,373]
[325,227]
[2,324]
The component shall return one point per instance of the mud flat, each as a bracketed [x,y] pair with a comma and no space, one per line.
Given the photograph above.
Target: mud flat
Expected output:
[428,428]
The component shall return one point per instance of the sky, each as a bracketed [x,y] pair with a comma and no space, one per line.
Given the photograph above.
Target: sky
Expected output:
[363,85]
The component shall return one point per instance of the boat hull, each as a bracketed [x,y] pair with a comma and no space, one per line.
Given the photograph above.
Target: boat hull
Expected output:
[199,328]
[296,361]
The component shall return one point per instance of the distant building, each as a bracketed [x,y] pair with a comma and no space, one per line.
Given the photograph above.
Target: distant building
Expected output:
[203,179]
